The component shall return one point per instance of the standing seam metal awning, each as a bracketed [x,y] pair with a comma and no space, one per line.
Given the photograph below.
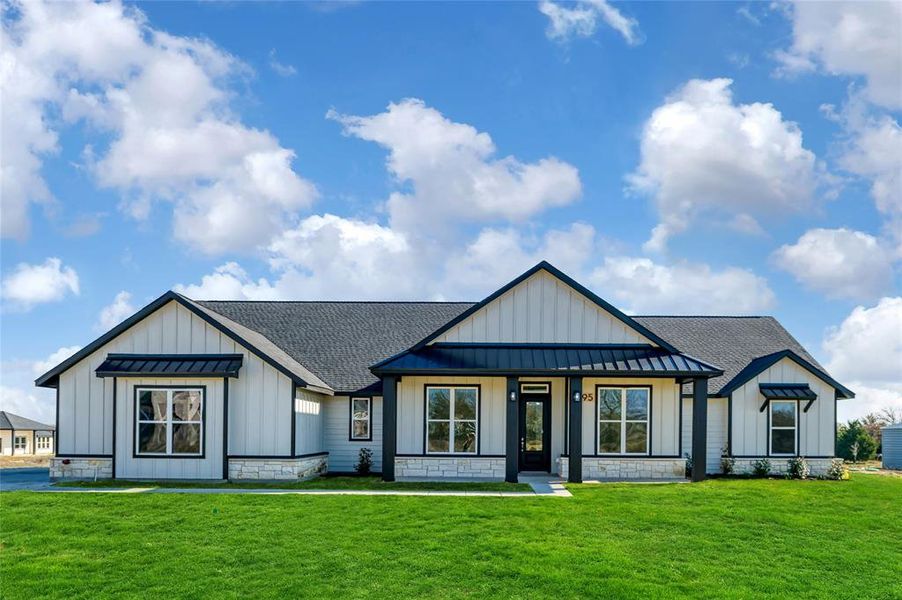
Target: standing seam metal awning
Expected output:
[787,391]
[603,359]
[170,365]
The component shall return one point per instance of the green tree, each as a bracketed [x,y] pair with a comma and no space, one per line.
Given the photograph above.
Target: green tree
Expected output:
[854,443]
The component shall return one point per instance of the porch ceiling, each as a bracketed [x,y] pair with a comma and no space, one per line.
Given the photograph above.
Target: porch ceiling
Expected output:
[546,359]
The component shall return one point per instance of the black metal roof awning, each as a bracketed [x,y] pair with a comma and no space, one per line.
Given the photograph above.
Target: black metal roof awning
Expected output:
[170,365]
[546,359]
[787,391]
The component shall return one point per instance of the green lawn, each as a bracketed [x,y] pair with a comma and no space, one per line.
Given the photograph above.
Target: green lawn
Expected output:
[320,483]
[724,538]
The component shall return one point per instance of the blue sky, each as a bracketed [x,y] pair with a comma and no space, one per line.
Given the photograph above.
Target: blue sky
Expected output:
[435,150]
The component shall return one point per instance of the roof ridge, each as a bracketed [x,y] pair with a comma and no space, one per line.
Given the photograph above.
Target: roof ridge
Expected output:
[704,317]
[340,301]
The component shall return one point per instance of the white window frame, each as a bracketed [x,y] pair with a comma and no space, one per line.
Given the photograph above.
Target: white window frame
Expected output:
[42,443]
[17,445]
[794,428]
[623,420]
[169,422]
[451,420]
[369,420]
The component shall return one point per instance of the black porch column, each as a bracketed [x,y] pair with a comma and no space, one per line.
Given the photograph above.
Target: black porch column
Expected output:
[575,472]
[389,426]
[699,428]
[512,434]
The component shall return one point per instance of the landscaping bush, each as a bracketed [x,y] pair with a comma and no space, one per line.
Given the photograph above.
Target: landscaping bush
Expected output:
[797,468]
[761,467]
[727,463]
[688,465]
[854,443]
[837,470]
[364,461]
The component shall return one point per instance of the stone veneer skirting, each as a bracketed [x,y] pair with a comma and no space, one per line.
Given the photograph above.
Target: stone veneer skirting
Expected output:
[81,468]
[626,468]
[817,466]
[300,469]
[452,467]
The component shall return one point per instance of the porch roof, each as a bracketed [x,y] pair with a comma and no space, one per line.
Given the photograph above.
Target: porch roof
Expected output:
[546,359]
[787,391]
[170,365]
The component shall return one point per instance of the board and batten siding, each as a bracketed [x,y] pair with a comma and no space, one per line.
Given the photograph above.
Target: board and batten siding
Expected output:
[717,432]
[412,407]
[665,415]
[308,414]
[344,452]
[542,309]
[816,427]
[259,399]
[129,466]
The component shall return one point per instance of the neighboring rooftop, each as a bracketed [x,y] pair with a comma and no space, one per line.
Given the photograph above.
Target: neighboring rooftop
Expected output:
[340,341]
[11,421]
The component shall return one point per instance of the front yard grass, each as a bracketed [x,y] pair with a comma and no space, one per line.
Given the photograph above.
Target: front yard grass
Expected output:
[717,539]
[320,483]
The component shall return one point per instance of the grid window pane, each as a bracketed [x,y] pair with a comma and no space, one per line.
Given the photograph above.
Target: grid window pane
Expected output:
[439,403]
[608,404]
[186,438]
[439,435]
[784,441]
[152,405]
[186,405]
[361,429]
[609,437]
[636,437]
[636,405]
[465,404]
[152,438]
[361,408]
[465,436]
[783,414]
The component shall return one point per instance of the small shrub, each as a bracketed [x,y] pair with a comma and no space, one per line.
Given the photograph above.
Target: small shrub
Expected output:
[797,468]
[854,443]
[727,463]
[837,470]
[688,465]
[364,461]
[761,467]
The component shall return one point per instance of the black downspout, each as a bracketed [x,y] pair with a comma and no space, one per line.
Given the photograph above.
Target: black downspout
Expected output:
[575,472]
[294,401]
[225,428]
[115,391]
[699,428]
[389,426]
[512,452]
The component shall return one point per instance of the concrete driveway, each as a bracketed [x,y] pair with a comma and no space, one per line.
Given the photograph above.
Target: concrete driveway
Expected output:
[26,478]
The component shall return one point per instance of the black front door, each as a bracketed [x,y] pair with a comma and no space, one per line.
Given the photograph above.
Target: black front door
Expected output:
[535,432]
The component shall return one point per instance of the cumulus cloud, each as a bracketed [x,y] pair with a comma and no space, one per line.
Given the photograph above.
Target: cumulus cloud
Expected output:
[18,394]
[841,263]
[849,38]
[229,282]
[702,153]
[453,173]
[114,313]
[40,367]
[865,353]
[581,20]
[164,100]
[30,285]
[640,285]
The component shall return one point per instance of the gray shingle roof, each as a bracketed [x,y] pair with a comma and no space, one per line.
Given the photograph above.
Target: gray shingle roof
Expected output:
[731,343]
[11,421]
[339,341]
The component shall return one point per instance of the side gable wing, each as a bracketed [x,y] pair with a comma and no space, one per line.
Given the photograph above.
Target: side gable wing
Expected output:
[762,363]
[544,306]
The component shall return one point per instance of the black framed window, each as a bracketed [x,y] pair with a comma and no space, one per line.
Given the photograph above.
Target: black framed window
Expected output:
[624,415]
[169,421]
[452,419]
[361,419]
[783,426]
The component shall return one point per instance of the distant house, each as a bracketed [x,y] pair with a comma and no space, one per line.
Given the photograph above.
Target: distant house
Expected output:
[542,375]
[21,436]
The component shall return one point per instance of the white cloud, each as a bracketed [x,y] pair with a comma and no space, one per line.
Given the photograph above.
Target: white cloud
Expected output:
[40,367]
[164,101]
[279,68]
[841,263]
[640,285]
[865,353]
[111,315]
[18,394]
[850,38]
[452,172]
[703,154]
[229,282]
[30,404]
[29,285]
[581,20]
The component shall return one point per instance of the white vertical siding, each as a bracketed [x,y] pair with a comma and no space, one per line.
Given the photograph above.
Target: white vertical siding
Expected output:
[717,431]
[343,452]
[308,414]
[816,427]
[665,415]
[130,467]
[543,309]
[259,400]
